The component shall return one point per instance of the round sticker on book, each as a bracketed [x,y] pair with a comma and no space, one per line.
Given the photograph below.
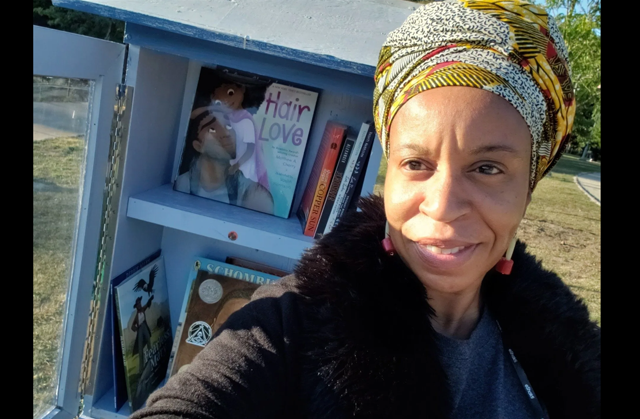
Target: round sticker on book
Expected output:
[199,333]
[210,291]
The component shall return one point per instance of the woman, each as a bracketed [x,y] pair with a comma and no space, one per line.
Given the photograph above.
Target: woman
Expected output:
[424,304]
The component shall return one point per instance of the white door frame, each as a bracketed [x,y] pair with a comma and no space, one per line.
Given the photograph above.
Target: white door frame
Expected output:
[63,54]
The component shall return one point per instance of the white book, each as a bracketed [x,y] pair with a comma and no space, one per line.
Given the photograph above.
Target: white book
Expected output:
[344,184]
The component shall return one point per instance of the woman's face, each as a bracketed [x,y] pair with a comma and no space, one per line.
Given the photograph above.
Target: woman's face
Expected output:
[457,184]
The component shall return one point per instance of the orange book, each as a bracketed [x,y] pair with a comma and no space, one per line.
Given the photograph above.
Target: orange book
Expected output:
[315,193]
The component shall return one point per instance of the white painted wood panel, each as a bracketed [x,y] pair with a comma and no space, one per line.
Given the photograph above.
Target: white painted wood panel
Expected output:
[312,28]
[208,218]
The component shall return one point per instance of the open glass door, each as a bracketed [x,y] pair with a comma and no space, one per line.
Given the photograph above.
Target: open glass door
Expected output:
[74,94]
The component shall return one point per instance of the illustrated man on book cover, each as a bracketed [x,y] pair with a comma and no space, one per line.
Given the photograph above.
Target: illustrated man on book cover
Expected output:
[143,339]
[221,160]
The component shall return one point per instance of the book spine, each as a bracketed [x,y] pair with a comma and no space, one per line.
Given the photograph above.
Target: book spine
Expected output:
[309,191]
[357,173]
[353,158]
[335,185]
[326,174]
[180,327]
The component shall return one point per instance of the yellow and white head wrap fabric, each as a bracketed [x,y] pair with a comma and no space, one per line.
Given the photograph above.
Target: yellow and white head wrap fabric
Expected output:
[510,47]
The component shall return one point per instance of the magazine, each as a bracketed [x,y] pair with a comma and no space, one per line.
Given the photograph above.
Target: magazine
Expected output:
[246,139]
[142,302]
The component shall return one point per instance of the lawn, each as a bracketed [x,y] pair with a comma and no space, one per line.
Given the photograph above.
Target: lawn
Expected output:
[56,172]
[562,228]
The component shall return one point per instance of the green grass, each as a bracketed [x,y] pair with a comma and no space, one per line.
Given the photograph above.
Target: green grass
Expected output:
[562,228]
[56,172]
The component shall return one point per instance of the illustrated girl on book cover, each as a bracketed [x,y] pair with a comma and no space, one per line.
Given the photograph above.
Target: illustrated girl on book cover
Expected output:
[221,159]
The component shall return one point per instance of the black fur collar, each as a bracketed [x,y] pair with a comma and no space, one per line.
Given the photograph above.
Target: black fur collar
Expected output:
[374,347]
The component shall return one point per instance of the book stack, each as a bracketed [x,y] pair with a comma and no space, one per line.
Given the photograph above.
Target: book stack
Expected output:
[145,353]
[336,176]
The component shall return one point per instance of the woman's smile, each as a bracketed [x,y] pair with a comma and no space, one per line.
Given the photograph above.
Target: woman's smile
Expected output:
[444,258]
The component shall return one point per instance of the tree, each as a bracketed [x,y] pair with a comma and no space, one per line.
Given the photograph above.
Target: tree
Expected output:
[47,15]
[580,25]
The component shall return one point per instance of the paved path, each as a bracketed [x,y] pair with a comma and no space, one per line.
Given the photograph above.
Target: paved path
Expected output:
[590,184]
[42,132]
[59,119]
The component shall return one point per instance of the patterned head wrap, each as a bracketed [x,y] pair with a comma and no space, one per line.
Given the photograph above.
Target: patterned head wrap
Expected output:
[508,47]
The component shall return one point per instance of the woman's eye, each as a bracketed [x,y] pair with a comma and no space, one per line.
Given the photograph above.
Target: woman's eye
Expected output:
[228,126]
[488,169]
[212,130]
[230,92]
[414,165]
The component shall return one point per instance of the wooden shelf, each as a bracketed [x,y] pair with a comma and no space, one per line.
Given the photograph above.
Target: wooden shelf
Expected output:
[181,211]
[104,409]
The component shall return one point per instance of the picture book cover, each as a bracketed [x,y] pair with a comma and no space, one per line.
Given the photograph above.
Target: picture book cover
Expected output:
[142,302]
[245,263]
[246,139]
[119,380]
[188,343]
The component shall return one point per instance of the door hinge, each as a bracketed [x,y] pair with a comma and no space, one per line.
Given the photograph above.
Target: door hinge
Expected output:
[110,204]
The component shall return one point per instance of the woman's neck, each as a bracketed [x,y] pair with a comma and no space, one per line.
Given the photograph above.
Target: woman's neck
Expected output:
[456,315]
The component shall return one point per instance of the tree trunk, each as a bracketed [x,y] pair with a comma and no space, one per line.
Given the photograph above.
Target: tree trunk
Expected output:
[585,153]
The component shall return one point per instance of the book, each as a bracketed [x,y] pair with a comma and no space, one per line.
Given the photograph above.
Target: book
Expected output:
[142,302]
[246,140]
[245,263]
[196,326]
[345,192]
[321,172]
[338,174]
[357,177]
[119,381]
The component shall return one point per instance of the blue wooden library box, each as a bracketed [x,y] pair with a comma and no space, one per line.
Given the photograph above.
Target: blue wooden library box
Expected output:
[141,98]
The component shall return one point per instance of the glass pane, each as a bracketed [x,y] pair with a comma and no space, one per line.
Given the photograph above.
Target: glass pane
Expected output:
[60,113]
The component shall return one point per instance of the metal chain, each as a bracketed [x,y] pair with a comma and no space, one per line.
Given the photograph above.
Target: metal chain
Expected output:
[109,213]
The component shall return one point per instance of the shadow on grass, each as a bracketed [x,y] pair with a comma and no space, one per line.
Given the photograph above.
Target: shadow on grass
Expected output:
[44,185]
[572,165]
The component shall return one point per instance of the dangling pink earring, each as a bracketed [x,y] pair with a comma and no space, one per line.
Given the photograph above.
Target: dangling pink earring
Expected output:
[387,244]
[505,264]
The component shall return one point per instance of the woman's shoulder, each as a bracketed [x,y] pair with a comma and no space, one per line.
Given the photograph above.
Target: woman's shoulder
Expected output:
[277,288]
[273,307]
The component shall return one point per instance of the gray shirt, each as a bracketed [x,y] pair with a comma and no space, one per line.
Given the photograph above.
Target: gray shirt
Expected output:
[483,381]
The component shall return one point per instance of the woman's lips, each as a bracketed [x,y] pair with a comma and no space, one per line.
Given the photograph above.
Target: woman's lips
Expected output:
[443,250]
[445,257]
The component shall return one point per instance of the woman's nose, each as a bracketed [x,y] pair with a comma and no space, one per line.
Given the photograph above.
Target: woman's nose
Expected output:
[445,198]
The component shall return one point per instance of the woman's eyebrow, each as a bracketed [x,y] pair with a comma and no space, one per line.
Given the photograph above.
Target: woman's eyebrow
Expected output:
[484,149]
[414,147]
[494,148]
